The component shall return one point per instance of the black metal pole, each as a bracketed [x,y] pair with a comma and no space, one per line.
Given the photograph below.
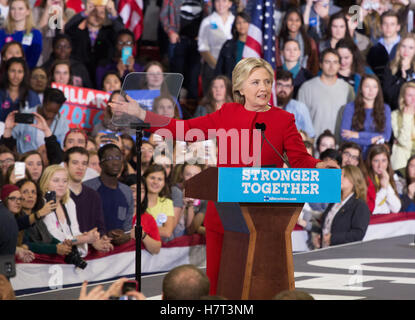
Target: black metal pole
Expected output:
[138,229]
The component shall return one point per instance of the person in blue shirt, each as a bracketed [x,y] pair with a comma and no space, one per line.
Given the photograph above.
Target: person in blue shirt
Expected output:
[19,26]
[48,121]
[285,91]
[14,88]
[367,120]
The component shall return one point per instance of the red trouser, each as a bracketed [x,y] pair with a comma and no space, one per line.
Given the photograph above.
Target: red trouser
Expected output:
[214,242]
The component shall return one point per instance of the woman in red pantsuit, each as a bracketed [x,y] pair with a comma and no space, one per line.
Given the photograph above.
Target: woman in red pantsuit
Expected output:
[252,81]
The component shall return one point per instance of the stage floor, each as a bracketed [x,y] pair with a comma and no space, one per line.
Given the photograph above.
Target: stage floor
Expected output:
[371,270]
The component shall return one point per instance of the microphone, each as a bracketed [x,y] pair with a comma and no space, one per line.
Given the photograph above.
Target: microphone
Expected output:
[262,127]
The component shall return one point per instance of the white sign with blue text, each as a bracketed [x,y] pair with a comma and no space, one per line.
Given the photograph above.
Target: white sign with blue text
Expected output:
[279,185]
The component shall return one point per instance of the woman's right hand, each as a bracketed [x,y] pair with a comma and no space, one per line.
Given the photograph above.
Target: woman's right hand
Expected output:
[384,179]
[130,107]
[47,208]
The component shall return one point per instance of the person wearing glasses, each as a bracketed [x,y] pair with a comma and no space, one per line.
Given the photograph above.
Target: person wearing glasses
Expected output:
[116,197]
[122,61]
[12,199]
[285,99]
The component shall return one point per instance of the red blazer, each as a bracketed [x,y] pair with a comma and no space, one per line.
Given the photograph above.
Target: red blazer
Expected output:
[280,131]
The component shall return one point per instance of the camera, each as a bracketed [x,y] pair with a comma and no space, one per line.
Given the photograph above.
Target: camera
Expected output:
[75,258]
[7,266]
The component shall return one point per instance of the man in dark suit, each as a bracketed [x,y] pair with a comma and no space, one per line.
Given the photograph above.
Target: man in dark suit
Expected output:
[93,33]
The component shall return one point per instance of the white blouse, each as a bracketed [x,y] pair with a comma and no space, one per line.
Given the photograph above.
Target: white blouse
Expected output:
[386,201]
[62,231]
[213,33]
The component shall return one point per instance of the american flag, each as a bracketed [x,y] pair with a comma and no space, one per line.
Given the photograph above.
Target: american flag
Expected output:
[260,41]
[131,12]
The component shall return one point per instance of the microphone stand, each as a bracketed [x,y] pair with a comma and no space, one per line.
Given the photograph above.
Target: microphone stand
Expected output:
[138,229]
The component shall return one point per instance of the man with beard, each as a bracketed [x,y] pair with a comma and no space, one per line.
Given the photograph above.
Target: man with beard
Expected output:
[93,41]
[285,91]
[116,198]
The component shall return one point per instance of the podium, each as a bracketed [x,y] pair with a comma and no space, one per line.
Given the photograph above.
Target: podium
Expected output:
[256,261]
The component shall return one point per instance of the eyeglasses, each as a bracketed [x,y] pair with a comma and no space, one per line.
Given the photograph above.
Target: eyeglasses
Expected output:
[349,155]
[122,43]
[14,199]
[286,86]
[6,161]
[112,158]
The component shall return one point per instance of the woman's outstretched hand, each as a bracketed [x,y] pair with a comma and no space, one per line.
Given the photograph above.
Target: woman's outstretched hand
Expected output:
[130,107]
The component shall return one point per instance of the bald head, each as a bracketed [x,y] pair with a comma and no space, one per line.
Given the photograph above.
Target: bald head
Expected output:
[185,282]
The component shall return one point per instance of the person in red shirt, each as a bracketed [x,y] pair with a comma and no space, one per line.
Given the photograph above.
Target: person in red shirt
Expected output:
[151,240]
[252,81]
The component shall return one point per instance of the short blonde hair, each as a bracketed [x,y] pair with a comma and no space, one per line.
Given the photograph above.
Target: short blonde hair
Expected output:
[9,24]
[242,71]
[355,175]
[47,176]
[401,99]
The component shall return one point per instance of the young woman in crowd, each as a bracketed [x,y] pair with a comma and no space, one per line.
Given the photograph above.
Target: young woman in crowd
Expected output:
[352,65]
[165,106]
[348,220]
[219,92]
[20,27]
[325,141]
[186,209]
[63,223]
[400,70]
[34,164]
[111,82]
[12,49]
[231,52]
[155,84]
[37,238]
[293,28]
[12,198]
[160,206]
[150,239]
[367,120]
[337,29]
[382,194]
[403,126]
[14,88]
[291,53]
[61,72]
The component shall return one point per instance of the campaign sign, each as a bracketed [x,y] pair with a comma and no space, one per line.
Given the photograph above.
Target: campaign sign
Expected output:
[84,107]
[267,185]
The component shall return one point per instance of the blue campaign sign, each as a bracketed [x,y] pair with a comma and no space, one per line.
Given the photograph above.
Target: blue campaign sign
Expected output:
[267,185]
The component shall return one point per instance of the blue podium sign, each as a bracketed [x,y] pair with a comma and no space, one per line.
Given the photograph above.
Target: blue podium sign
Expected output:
[267,185]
